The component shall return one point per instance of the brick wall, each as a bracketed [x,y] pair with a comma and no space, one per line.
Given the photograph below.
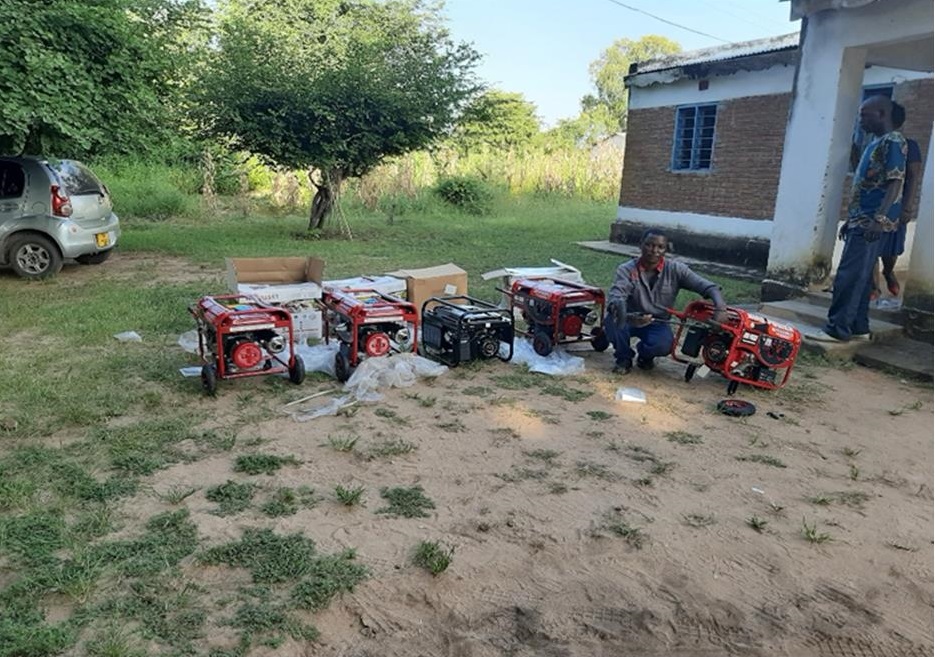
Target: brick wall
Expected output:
[745,168]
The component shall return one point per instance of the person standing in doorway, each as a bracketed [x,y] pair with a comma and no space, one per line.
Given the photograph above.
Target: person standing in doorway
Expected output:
[893,244]
[875,210]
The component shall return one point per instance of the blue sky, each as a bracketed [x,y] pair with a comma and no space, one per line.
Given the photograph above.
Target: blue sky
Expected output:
[542,48]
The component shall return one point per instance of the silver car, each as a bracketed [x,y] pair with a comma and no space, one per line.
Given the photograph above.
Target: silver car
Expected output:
[50,211]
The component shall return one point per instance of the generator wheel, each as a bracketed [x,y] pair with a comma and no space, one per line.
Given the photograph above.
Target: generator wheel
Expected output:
[542,343]
[732,388]
[209,379]
[342,364]
[297,371]
[599,340]
[690,372]
[736,407]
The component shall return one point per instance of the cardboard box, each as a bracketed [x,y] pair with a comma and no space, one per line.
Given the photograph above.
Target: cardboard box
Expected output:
[276,280]
[306,323]
[391,285]
[558,271]
[440,281]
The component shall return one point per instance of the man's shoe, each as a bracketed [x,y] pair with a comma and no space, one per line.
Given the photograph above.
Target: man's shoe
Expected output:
[862,337]
[823,336]
[645,363]
[623,368]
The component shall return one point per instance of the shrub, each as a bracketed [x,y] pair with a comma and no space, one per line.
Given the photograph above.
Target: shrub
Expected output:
[149,190]
[466,193]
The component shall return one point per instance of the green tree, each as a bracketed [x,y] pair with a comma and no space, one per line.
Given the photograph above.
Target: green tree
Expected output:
[85,77]
[610,69]
[334,86]
[497,119]
[586,129]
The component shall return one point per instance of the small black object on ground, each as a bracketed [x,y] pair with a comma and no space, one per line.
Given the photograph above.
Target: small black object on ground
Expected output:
[736,407]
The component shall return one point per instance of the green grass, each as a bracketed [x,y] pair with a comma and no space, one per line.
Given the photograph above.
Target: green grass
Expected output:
[89,423]
[255,464]
[406,502]
[231,497]
[765,459]
[349,496]
[432,556]
[390,448]
[684,438]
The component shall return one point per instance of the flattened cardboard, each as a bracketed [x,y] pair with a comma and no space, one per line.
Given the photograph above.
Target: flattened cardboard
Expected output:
[392,285]
[558,271]
[422,284]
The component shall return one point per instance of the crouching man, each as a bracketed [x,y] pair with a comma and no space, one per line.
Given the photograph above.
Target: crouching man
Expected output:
[643,290]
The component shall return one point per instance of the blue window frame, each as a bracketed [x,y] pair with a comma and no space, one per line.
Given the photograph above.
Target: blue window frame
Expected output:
[693,145]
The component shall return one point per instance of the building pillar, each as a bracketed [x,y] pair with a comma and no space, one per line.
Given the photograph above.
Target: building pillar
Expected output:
[917,298]
[815,158]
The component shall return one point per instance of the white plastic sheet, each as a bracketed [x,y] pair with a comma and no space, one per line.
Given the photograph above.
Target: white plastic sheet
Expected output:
[128,336]
[188,341]
[399,371]
[319,357]
[557,363]
[631,395]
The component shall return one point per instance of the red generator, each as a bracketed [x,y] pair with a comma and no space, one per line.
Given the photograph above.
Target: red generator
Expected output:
[240,336]
[747,348]
[559,312]
[376,325]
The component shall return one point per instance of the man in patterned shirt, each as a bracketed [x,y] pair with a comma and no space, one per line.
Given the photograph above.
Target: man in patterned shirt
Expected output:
[875,209]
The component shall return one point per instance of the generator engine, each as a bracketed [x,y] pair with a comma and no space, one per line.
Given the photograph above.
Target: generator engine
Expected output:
[458,329]
[559,312]
[241,336]
[367,324]
[747,348]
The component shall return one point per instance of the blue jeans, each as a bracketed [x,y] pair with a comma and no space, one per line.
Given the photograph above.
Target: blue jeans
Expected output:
[655,340]
[850,298]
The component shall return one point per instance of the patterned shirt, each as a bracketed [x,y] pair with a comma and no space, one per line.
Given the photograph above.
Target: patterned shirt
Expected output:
[883,161]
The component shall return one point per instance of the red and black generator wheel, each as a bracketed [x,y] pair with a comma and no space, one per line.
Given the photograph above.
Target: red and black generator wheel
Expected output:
[599,341]
[209,379]
[542,342]
[297,370]
[342,363]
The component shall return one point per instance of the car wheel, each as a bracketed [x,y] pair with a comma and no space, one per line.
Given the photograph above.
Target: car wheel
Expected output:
[94,258]
[34,256]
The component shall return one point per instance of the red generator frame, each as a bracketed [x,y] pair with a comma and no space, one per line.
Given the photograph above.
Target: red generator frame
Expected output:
[558,312]
[241,336]
[747,348]
[376,325]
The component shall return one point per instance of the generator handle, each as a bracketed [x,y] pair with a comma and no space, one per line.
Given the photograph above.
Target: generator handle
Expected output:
[449,301]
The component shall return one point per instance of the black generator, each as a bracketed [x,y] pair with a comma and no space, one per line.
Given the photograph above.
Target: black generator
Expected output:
[461,328]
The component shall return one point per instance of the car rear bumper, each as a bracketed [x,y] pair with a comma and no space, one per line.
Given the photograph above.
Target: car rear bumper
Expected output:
[76,240]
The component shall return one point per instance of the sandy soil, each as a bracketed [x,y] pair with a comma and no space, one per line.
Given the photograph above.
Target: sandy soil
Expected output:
[536,571]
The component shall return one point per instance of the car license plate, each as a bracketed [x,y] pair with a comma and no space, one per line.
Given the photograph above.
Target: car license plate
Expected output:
[103,239]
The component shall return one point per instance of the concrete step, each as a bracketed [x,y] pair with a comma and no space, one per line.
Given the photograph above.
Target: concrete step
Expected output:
[908,358]
[815,316]
[887,313]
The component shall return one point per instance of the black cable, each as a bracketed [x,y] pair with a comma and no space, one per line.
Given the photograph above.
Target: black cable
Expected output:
[668,22]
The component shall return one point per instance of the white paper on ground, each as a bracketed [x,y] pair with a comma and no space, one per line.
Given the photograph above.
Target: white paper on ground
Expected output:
[631,395]
[128,336]
[558,363]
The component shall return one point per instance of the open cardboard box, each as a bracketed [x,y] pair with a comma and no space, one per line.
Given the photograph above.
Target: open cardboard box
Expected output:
[558,271]
[391,285]
[276,280]
[440,281]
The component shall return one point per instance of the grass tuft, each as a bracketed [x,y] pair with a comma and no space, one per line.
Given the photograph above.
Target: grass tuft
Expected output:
[256,464]
[231,497]
[765,459]
[684,438]
[433,557]
[406,502]
[348,496]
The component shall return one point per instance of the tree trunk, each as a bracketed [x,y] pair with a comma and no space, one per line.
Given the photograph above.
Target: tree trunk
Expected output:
[326,192]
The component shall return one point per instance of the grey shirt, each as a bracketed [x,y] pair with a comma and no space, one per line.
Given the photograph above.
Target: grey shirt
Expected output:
[632,286]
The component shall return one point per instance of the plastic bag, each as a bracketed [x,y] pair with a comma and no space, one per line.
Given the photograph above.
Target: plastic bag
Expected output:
[188,341]
[630,395]
[399,371]
[558,363]
[128,336]
[318,358]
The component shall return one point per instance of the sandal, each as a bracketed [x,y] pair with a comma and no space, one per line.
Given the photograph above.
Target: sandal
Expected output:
[892,284]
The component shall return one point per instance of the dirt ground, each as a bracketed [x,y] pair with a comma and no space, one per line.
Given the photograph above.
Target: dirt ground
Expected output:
[586,526]
[538,568]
